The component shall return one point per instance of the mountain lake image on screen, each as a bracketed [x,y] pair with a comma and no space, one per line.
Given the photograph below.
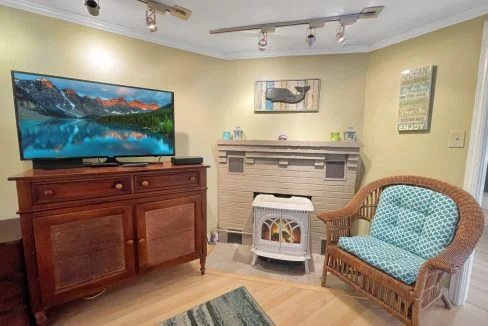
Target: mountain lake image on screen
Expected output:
[69,118]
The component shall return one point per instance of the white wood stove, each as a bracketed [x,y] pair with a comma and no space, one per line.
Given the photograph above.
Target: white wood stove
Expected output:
[281,228]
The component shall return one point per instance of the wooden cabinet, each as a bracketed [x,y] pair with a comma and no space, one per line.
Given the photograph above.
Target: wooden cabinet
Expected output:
[87,229]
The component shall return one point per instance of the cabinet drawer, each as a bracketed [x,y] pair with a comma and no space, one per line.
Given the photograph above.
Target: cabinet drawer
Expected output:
[154,182]
[80,189]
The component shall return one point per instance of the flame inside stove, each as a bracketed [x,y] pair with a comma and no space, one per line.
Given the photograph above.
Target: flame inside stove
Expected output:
[290,232]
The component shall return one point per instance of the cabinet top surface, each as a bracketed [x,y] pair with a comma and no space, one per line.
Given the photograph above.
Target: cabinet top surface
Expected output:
[166,167]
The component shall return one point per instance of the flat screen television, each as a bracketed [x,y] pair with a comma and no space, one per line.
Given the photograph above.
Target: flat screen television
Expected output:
[65,118]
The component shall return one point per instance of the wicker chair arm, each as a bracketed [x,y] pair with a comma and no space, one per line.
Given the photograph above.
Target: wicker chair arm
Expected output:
[452,258]
[335,215]
[339,222]
[339,226]
[353,207]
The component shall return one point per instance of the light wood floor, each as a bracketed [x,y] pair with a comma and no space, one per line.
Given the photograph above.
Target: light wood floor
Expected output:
[160,295]
[478,289]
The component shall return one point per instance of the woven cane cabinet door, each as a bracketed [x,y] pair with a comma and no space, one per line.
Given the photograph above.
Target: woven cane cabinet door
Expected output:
[169,231]
[83,251]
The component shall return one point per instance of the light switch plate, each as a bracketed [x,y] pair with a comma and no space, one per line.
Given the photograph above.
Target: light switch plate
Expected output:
[457,138]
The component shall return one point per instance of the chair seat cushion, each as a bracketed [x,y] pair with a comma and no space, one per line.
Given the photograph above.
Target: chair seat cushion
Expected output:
[395,261]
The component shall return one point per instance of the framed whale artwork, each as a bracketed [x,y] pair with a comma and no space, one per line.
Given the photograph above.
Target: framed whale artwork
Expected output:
[300,95]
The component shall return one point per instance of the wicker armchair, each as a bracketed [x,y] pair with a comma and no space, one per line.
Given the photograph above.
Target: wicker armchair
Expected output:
[403,301]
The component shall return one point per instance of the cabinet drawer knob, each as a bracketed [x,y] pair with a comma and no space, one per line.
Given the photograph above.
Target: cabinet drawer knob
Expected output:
[48,192]
[145,183]
[193,178]
[130,242]
[142,240]
[119,186]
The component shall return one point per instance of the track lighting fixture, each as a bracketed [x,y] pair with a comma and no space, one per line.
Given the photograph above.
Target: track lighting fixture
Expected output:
[263,37]
[153,7]
[341,34]
[151,20]
[263,41]
[93,7]
[310,39]
[313,24]
[162,8]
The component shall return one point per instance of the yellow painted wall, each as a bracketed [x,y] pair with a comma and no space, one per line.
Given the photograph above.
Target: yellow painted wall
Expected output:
[35,43]
[455,51]
[343,79]
[211,95]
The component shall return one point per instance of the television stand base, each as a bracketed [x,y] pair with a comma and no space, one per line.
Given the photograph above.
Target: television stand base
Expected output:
[100,165]
[112,160]
[134,164]
[109,161]
[53,164]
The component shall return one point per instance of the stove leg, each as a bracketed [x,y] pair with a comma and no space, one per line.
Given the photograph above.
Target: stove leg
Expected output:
[307,266]
[254,257]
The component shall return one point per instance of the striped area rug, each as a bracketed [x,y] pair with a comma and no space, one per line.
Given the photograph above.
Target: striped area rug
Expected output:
[236,308]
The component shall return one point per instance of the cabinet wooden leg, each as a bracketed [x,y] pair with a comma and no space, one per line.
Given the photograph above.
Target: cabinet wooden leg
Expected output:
[41,319]
[202,264]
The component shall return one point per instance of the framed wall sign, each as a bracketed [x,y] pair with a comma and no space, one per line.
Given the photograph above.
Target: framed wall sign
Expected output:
[287,95]
[416,98]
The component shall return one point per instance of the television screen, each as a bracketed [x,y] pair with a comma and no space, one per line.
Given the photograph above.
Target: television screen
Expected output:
[69,118]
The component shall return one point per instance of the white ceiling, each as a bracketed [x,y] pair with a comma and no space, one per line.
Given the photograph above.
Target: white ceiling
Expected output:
[400,20]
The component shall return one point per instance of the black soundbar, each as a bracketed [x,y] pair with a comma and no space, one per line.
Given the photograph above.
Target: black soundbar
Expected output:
[182,160]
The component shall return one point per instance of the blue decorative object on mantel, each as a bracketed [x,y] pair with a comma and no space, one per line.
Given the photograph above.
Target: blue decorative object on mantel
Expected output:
[238,132]
[350,134]
[227,135]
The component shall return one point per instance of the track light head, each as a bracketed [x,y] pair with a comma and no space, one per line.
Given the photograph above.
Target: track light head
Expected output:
[310,39]
[93,7]
[263,41]
[151,20]
[341,34]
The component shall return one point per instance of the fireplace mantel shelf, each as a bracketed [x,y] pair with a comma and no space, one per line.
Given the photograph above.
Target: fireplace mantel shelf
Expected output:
[289,143]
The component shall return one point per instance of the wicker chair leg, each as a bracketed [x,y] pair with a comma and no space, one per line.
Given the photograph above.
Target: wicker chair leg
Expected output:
[446,301]
[416,313]
[324,278]
[324,271]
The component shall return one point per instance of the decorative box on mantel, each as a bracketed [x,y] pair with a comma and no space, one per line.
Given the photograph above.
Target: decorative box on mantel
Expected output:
[324,172]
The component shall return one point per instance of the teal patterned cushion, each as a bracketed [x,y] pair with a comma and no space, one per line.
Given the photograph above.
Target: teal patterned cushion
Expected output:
[416,219]
[395,261]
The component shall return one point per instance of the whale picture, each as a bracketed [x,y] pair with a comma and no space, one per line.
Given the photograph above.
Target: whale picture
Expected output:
[284,95]
[287,96]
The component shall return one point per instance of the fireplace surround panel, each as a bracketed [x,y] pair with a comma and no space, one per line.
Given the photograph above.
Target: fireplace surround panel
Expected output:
[295,168]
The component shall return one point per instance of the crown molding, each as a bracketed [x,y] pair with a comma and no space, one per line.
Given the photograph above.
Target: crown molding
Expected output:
[117,29]
[431,27]
[124,31]
[295,53]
